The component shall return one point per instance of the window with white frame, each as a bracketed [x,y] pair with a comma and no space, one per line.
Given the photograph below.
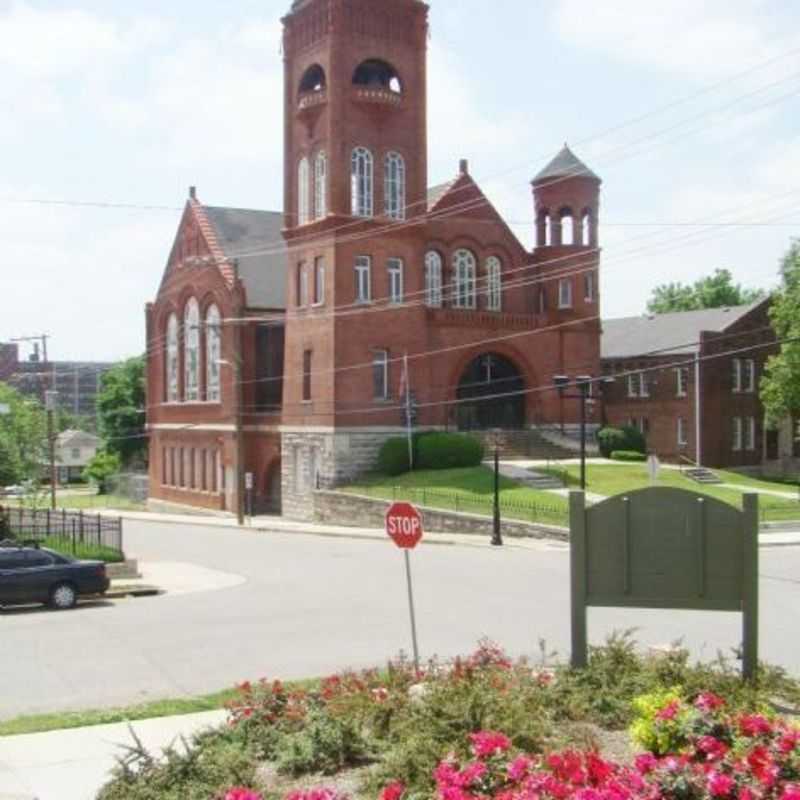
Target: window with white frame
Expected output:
[394,186]
[191,351]
[395,269]
[589,288]
[750,433]
[464,269]
[737,434]
[213,354]
[565,293]
[637,385]
[320,185]
[363,282]
[433,279]
[749,376]
[682,379]
[380,374]
[737,374]
[302,284]
[319,281]
[173,391]
[494,284]
[361,182]
[682,438]
[303,195]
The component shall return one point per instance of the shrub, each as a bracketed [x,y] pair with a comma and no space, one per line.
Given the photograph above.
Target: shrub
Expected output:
[448,451]
[627,455]
[625,438]
[393,456]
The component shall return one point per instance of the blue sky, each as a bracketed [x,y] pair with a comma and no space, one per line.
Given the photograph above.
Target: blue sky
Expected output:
[690,113]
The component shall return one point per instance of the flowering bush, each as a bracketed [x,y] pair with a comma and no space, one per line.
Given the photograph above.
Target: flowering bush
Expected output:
[242,794]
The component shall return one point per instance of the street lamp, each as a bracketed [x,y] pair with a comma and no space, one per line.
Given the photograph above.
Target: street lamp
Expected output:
[584,385]
[497,537]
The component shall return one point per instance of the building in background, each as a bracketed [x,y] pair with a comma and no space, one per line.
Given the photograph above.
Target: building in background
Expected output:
[73,452]
[292,330]
[662,357]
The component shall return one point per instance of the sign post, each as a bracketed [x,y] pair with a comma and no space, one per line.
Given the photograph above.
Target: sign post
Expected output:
[248,486]
[404,527]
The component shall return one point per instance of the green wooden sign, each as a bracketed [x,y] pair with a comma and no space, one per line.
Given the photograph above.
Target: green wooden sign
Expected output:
[665,548]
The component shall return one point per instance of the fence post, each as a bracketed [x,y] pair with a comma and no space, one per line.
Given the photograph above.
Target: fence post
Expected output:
[80,523]
[74,548]
[577,550]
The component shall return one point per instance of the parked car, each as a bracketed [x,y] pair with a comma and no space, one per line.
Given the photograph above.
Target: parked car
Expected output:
[30,574]
[14,491]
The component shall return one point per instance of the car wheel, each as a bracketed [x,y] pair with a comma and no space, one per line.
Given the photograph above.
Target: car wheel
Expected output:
[63,596]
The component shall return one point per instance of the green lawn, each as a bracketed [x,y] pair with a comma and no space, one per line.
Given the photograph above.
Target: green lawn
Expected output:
[87,502]
[82,550]
[470,490]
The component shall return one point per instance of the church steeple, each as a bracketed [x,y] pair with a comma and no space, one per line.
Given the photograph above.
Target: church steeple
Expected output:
[355,109]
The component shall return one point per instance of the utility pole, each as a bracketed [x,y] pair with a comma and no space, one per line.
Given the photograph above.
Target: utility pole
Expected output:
[51,404]
[239,395]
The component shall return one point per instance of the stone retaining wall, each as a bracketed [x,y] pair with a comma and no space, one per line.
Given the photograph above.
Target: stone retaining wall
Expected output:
[342,508]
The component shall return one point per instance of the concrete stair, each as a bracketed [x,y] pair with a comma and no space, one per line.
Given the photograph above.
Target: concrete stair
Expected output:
[531,478]
[526,444]
[702,475]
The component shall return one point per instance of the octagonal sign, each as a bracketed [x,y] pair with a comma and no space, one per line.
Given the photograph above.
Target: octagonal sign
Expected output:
[404,525]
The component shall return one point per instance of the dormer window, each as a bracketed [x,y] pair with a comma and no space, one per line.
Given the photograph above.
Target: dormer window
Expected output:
[377,74]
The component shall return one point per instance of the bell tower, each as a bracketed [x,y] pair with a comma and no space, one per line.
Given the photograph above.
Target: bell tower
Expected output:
[355,111]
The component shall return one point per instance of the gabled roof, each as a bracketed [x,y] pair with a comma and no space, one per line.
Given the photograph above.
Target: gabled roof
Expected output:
[667,334]
[255,240]
[565,165]
[436,193]
[77,439]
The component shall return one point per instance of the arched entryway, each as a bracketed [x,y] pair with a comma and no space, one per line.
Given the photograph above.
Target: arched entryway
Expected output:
[491,390]
[268,500]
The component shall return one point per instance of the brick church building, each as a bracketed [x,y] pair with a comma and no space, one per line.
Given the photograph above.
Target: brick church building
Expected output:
[277,342]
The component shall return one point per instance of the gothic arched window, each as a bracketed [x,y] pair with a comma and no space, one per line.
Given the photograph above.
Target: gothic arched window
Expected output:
[464,269]
[494,284]
[213,354]
[394,186]
[361,182]
[303,205]
[191,352]
[320,185]
[433,279]
[173,392]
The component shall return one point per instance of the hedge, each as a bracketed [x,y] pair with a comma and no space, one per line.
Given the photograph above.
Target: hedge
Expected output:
[628,455]
[629,439]
[448,451]
[393,456]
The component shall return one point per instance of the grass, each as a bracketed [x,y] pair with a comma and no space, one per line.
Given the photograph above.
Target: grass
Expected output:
[89,502]
[469,489]
[82,550]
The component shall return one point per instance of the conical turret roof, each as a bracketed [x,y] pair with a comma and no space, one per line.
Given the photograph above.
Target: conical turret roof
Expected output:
[565,165]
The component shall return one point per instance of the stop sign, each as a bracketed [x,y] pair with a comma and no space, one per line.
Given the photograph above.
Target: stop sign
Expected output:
[404,525]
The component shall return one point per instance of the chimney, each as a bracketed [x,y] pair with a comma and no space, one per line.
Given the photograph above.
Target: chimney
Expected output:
[463,167]
[193,193]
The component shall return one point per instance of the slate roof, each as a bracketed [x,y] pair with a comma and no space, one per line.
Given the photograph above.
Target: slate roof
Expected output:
[436,193]
[255,239]
[669,334]
[565,164]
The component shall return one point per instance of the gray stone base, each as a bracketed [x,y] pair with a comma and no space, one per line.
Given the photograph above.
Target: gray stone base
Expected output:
[166,507]
[126,569]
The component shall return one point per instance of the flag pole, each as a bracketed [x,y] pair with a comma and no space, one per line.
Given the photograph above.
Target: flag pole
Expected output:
[408,412]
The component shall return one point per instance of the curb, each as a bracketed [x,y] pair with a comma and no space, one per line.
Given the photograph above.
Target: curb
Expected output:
[132,591]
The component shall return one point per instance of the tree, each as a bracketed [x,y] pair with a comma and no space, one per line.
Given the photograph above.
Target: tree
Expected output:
[101,468]
[23,437]
[713,291]
[120,408]
[780,384]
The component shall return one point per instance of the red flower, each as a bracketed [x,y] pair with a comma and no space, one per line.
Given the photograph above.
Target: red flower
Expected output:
[670,711]
[720,785]
[489,743]
[708,702]
[712,748]
[791,792]
[393,791]
[239,793]
[754,725]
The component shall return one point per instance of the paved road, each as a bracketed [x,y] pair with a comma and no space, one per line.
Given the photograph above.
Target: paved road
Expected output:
[312,605]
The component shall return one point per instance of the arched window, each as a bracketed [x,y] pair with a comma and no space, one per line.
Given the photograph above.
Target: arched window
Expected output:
[377,74]
[464,269]
[191,352]
[494,284]
[433,279]
[543,228]
[303,207]
[361,182]
[213,354]
[567,227]
[587,226]
[173,392]
[313,79]
[320,185]
[394,186]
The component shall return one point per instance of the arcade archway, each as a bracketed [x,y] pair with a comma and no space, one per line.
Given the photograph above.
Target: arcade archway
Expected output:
[491,394]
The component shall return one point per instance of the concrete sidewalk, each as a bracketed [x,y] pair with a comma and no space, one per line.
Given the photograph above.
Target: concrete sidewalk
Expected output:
[74,764]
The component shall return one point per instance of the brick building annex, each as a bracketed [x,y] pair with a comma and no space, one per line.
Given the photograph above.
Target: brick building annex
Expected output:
[293,327]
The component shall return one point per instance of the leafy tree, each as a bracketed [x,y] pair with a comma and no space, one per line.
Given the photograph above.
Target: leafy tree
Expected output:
[23,437]
[67,421]
[101,468]
[780,384]
[120,408]
[714,291]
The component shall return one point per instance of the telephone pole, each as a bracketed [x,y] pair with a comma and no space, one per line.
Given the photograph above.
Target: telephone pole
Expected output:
[51,405]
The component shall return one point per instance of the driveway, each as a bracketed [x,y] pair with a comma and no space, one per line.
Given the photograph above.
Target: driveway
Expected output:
[298,606]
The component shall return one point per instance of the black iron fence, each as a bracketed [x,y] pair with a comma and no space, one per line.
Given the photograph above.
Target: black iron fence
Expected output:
[482,505]
[83,535]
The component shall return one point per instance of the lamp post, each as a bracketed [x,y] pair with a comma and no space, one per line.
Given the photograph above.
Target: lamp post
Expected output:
[583,384]
[497,537]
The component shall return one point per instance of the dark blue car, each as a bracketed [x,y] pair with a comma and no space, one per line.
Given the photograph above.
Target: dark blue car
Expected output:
[39,575]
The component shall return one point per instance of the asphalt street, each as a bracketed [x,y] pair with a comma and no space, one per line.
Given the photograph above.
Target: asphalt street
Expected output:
[304,606]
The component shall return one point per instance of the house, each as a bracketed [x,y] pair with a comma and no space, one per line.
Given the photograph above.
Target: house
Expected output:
[285,346]
[73,452]
[689,381]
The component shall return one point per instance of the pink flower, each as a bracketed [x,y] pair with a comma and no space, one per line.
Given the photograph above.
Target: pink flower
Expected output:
[646,763]
[239,793]
[670,711]
[713,748]
[489,743]
[789,741]
[720,785]
[393,791]
[754,725]
[708,702]
[791,792]
[519,768]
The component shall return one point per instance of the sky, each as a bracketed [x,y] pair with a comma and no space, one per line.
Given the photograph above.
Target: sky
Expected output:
[690,112]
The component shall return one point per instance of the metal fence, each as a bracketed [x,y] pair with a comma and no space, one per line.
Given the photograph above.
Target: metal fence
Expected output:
[72,531]
[482,505]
